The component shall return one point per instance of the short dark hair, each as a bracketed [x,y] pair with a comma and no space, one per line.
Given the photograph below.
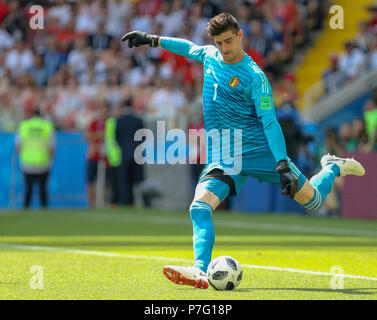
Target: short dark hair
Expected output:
[36,112]
[221,23]
[128,103]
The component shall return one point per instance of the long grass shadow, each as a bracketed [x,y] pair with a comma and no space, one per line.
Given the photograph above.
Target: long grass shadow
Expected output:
[354,291]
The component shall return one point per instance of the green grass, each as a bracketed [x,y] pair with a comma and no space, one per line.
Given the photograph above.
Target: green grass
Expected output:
[119,254]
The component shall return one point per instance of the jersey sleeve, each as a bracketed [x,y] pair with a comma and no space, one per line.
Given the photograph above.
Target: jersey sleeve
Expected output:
[259,91]
[184,48]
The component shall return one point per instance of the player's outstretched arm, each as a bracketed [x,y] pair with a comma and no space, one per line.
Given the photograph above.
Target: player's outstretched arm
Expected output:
[260,93]
[176,45]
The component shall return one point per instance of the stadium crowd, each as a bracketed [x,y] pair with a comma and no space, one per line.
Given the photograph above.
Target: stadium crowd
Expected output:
[359,56]
[76,63]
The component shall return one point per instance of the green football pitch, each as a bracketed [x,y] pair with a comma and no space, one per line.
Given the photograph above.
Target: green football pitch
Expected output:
[119,254]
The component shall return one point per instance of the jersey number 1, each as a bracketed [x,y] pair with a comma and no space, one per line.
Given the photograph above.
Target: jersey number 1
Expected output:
[215,93]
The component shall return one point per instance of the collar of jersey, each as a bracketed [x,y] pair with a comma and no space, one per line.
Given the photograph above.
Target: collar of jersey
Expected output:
[244,60]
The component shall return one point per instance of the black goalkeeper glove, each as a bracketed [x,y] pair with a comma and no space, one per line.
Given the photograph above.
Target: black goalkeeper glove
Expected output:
[139,38]
[288,181]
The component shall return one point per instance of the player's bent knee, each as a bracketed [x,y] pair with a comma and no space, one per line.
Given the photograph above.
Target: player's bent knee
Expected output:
[211,191]
[207,197]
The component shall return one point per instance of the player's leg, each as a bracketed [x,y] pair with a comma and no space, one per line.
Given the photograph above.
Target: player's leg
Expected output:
[29,181]
[314,192]
[91,179]
[43,197]
[209,194]
[211,190]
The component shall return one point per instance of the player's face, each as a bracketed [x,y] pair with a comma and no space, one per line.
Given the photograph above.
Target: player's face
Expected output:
[229,45]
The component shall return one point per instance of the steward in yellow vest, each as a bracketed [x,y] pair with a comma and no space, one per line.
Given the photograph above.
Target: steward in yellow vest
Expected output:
[114,157]
[35,143]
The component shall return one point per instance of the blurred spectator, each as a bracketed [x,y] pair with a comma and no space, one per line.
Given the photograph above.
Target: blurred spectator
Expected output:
[129,173]
[315,15]
[118,12]
[243,14]
[53,57]
[148,7]
[198,24]
[257,57]
[273,26]
[333,77]
[15,21]
[4,9]
[76,58]
[289,119]
[373,55]
[209,8]
[347,138]
[165,104]
[6,40]
[287,88]
[113,56]
[115,93]
[370,118]
[39,71]
[61,11]
[351,61]
[99,40]
[360,134]
[331,143]
[374,142]
[19,58]
[372,23]
[87,17]
[364,37]
[27,94]
[113,153]
[95,134]
[68,104]
[258,41]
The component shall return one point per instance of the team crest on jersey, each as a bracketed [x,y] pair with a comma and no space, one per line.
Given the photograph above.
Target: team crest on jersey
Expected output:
[234,82]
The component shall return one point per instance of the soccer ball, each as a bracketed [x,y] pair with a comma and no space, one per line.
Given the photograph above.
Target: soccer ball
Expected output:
[224,273]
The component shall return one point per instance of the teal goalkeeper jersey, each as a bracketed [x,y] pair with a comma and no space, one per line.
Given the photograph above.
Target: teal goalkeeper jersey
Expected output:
[237,102]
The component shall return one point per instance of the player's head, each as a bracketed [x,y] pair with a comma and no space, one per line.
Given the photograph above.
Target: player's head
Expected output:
[226,33]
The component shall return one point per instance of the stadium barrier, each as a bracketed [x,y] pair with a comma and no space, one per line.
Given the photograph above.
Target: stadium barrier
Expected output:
[67,186]
[359,197]
[67,181]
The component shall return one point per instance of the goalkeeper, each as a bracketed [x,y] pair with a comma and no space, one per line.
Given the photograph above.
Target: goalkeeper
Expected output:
[237,97]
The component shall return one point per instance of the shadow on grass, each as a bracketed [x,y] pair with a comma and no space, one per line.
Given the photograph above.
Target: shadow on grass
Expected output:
[355,291]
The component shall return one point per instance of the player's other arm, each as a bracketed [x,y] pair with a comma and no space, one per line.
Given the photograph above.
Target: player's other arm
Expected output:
[176,45]
[260,91]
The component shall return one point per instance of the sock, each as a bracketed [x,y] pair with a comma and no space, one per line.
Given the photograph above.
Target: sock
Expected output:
[322,184]
[204,233]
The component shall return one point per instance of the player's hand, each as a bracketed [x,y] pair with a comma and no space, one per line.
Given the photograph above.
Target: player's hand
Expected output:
[139,38]
[288,181]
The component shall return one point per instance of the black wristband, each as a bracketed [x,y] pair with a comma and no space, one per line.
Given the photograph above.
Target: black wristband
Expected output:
[153,40]
[283,167]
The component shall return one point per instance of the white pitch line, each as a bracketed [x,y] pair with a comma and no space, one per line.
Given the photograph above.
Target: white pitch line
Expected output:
[130,256]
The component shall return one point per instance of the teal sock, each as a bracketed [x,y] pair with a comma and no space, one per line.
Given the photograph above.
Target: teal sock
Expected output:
[204,233]
[322,184]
